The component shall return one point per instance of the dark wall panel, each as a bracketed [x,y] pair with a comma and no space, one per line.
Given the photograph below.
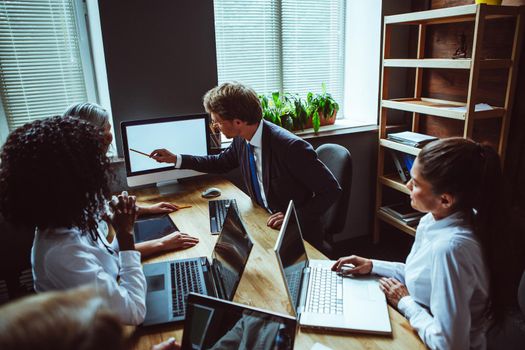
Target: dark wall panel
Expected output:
[441,41]
[160,57]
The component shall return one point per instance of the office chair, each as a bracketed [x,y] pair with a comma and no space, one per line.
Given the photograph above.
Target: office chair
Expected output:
[16,279]
[509,333]
[339,160]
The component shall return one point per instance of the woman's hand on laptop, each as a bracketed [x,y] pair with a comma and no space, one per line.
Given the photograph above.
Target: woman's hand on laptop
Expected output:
[361,266]
[393,289]
[177,240]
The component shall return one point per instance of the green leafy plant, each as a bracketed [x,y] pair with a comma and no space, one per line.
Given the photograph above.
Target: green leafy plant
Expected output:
[293,113]
[320,105]
[278,109]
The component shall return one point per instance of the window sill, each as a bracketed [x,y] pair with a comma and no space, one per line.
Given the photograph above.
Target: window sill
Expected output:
[340,127]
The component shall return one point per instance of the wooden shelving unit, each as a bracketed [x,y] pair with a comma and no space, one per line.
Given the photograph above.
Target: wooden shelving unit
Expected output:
[419,105]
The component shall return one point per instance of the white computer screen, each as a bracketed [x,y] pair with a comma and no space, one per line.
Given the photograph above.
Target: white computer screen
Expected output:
[177,136]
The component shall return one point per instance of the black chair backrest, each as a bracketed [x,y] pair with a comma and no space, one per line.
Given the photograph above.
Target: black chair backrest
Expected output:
[339,160]
[16,279]
[521,294]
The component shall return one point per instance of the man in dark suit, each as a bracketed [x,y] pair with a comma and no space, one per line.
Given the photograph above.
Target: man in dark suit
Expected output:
[276,165]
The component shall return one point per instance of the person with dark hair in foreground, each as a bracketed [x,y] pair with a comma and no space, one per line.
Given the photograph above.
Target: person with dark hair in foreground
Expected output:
[447,287]
[99,117]
[62,163]
[78,319]
[54,176]
[277,166]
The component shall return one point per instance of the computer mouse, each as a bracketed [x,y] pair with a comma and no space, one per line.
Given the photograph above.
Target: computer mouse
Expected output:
[211,192]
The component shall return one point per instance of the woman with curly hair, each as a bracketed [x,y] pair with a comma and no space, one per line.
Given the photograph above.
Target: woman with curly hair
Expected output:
[99,117]
[61,165]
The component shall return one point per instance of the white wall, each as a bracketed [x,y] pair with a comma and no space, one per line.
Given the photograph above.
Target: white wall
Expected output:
[362,61]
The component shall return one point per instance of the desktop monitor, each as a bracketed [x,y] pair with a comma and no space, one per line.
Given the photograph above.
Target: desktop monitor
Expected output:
[178,134]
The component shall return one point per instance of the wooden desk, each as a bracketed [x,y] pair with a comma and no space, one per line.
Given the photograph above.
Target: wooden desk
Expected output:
[261,284]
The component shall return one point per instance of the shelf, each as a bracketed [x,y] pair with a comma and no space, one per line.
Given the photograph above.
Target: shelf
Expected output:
[399,147]
[458,13]
[393,181]
[446,63]
[435,107]
[396,223]
[465,13]
[475,17]
[462,63]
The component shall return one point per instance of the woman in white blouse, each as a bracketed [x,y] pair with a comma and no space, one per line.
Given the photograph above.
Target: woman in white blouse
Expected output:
[54,175]
[445,287]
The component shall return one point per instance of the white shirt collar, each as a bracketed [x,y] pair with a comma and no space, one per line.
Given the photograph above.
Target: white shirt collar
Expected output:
[455,219]
[257,137]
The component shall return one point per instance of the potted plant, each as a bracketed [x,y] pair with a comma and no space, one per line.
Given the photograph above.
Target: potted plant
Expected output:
[277,110]
[322,108]
[292,113]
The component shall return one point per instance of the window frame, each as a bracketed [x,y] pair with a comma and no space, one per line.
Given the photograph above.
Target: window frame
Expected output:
[80,10]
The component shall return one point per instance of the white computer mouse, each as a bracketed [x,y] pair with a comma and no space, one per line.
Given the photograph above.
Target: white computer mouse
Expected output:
[211,192]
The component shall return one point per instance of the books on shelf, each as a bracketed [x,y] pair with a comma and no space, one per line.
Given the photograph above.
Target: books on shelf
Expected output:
[404,212]
[414,221]
[403,163]
[410,138]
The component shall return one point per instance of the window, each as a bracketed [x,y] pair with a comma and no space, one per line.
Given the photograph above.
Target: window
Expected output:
[41,60]
[282,45]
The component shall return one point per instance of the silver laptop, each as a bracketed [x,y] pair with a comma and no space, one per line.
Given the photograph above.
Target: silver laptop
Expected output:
[170,282]
[320,297]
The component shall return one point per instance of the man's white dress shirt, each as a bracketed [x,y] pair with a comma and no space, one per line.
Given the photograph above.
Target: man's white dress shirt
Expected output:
[256,144]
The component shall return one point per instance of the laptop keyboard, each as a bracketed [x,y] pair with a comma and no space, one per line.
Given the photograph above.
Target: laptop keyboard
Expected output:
[294,282]
[185,278]
[218,210]
[325,295]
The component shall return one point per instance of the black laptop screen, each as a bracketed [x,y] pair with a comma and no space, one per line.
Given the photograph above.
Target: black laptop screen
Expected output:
[231,252]
[214,324]
[293,256]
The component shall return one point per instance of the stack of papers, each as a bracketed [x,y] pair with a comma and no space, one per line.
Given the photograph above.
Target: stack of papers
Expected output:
[477,108]
[410,138]
[404,212]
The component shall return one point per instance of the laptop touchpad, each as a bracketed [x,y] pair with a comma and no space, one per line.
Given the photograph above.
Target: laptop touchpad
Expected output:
[155,283]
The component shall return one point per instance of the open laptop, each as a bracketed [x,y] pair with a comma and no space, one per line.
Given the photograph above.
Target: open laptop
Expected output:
[216,324]
[218,209]
[320,297]
[169,282]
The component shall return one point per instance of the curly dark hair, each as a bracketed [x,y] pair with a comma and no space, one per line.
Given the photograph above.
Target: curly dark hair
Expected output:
[54,173]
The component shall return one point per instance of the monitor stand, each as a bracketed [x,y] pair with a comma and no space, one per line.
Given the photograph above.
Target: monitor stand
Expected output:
[170,187]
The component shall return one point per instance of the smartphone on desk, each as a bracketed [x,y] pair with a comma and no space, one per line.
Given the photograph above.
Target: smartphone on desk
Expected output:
[150,227]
